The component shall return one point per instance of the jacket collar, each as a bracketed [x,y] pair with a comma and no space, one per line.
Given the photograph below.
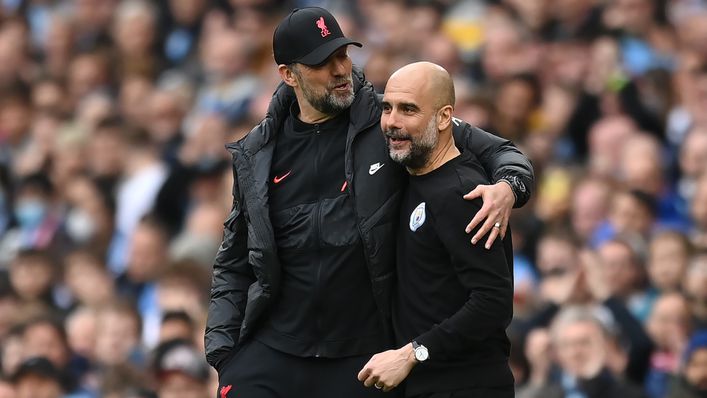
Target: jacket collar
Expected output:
[365,111]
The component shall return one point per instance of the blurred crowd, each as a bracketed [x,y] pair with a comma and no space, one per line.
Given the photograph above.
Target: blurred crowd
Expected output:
[114,182]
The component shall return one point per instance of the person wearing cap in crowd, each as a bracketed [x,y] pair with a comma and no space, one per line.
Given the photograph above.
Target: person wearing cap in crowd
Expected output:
[302,284]
[181,371]
[37,377]
[454,342]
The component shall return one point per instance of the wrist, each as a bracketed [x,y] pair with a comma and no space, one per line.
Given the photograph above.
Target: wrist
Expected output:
[504,181]
[408,352]
[517,186]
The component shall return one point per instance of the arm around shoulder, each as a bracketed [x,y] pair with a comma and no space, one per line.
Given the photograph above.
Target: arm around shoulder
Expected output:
[499,157]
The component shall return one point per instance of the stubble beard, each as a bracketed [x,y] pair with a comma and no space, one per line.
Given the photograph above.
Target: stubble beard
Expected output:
[329,103]
[420,149]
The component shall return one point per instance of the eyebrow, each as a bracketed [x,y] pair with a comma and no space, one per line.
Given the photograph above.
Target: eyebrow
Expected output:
[410,105]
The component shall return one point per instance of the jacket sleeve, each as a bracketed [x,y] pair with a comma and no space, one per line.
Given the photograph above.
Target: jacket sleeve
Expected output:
[499,157]
[232,275]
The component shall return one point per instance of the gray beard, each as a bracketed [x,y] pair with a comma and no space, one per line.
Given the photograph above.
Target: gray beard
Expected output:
[329,103]
[420,149]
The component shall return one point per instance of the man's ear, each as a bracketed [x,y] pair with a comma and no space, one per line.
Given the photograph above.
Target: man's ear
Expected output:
[445,117]
[287,75]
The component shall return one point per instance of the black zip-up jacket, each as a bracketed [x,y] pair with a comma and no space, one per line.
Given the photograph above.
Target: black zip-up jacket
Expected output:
[246,273]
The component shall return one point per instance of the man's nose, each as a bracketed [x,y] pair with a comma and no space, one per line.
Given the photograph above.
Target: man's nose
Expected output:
[391,120]
[339,67]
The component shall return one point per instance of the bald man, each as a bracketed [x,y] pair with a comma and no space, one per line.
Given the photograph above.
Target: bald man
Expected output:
[453,300]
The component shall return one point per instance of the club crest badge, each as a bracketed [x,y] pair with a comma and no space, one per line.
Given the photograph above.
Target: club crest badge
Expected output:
[417,218]
[322,26]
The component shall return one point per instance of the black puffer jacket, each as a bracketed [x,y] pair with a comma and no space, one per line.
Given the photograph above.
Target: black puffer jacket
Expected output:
[246,272]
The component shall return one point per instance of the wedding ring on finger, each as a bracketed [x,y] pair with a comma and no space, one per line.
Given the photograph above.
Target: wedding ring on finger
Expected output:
[497,225]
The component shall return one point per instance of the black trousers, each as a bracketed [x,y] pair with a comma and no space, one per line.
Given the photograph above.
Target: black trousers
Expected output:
[501,392]
[258,371]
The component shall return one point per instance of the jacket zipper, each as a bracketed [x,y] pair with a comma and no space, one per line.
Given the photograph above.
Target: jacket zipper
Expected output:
[317,232]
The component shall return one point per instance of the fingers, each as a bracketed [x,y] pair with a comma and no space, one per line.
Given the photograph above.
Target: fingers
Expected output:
[364,373]
[504,222]
[371,381]
[491,218]
[475,193]
[492,236]
[478,217]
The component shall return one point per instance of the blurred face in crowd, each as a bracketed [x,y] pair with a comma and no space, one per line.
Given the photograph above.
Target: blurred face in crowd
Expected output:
[13,353]
[695,287]
[106,152]
[44,340]
[515,100]
[635,16]
[533,12]
[31,277]
[88,280]
[87,72]
[117,336]
[696,369]
[134,28]
[328,88]
[165,116]
[698,207]
[15,120]
[92,15]
[441,50]
[89,218]
[641,164]
[667,261]
[148,254]
[36,386]
[556,256]
[187,12]
[81,332]
[225,55]
[693,153]
[590,206]
[68,161]
[692,31]
[581,348]
[628,215]
[135,91]
[178,294]
[49,96]
[618,268]
[607,138]
[669,322]
[556,263]
[503,50]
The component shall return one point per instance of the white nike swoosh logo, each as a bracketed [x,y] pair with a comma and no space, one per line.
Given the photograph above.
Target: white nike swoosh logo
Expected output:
[375,167]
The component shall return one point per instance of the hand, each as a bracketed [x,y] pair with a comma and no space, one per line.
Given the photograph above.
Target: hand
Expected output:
[498,201]
[595,279]
[388,369]
[538,352]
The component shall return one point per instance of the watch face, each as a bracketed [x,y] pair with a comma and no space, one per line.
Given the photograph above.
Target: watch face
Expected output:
[421,353]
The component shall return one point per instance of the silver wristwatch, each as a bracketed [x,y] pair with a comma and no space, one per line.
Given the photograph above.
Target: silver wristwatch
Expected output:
[421,353]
